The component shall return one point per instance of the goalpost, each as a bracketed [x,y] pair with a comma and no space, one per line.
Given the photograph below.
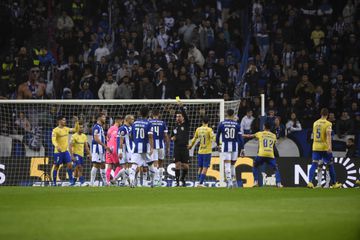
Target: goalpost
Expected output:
[26,125]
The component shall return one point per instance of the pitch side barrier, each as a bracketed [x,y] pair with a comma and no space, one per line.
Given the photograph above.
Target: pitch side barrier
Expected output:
[35,171]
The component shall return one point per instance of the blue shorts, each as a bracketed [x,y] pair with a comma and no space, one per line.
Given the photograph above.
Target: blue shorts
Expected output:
[204,160]
[261,160]
[322,155]
[79,160]
[62,158]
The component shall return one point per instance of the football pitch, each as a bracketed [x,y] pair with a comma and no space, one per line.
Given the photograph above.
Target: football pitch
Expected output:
[178,213]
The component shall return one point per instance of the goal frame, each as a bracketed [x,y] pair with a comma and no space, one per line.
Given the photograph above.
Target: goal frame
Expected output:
[221,103]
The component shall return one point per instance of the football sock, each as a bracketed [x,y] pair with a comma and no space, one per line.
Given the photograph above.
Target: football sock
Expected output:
[108,174]
[132,173]
[233,172]
[184,172]
[119,173]
[202,178]
[117,170]
[228,172]
[332,174]
[152,172]
[161,173]
[54,176]
[319,176]
[256,174]
[277,176]
[103,175]
[93,175]
[70,173]
[177,175]
[313,168]
[82,179]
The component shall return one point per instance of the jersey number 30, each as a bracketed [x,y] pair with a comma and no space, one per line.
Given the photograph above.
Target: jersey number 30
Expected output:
[229,133]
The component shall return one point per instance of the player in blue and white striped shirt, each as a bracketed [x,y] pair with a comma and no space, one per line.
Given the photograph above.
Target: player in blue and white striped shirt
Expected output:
[98,149]
[161,142]
[143,145]
[232,142]
[125,147]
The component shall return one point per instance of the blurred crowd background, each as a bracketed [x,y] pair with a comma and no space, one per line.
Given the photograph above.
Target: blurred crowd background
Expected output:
[303,54]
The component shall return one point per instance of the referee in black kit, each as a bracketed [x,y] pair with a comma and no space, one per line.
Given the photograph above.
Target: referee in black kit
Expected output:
[180,136]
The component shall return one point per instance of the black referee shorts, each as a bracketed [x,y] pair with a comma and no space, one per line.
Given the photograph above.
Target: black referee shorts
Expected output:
[181,155]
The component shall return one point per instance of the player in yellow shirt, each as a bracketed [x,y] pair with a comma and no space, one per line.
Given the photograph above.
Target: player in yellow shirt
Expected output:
[322,148]
[60,140]
[78,144]
[206,136]
[267,141]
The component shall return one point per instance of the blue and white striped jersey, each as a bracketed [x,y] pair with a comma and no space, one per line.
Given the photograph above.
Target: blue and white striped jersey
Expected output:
[159,130]
[97,130]
[231,137]
[125,132]
[140,134]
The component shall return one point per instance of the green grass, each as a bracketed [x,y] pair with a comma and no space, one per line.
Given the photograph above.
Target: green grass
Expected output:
[176,213]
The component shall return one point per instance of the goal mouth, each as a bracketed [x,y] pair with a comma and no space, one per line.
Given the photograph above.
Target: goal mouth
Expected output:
[26,125]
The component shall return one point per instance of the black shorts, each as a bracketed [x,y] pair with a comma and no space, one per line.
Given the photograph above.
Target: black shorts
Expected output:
[181,155]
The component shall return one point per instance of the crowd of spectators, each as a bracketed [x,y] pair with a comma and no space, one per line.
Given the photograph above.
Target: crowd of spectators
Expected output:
[304,55]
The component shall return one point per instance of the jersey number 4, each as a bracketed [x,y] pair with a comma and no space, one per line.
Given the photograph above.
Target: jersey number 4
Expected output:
[156,130]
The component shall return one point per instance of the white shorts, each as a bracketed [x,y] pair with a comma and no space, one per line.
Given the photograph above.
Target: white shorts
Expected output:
[228,156]
[140,159]
[126,158]
[98,158]
[158,154]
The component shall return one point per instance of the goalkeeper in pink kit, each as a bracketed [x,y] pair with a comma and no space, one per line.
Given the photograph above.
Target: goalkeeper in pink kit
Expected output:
[112,160]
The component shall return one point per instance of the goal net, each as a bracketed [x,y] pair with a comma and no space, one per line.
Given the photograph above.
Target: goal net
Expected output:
[26,151]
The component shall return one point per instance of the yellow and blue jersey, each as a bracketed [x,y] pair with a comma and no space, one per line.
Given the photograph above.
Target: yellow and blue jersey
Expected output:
[320,128]
[206,136]
[267,141]
[78,142]
[60,138]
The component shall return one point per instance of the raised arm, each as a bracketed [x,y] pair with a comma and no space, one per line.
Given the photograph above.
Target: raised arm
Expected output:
[183,112]
[76,127]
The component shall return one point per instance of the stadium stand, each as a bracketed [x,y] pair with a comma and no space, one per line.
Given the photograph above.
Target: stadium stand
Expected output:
[303,55]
